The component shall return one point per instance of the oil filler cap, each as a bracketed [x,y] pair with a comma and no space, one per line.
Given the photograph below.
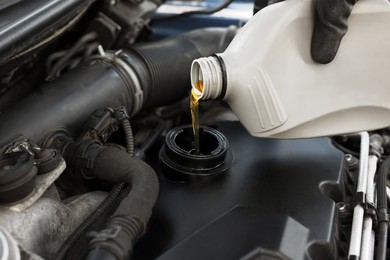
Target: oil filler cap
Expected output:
[179,161]
[17,176]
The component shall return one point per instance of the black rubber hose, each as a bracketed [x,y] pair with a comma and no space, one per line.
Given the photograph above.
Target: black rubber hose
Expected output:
[130,219]
[383,218]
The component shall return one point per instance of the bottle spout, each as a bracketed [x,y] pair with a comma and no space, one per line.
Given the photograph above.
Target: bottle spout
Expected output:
[207,78]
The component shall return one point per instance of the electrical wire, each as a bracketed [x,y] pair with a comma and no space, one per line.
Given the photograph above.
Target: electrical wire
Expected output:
[129,136]
[89,221]
[197,12]
[344,149]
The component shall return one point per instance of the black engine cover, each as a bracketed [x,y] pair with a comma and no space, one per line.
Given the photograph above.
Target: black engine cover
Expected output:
[270,203]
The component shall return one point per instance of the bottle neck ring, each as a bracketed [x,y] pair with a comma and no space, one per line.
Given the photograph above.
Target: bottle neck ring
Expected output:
[211,73]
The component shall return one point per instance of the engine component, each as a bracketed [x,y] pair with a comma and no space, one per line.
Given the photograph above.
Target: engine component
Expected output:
[370,218]
[130,219]
[44,226]
[383,217]
[104,208]
[38,21]
[36,202]
[17,176]
[344,224]
[138,78]
[46,160]
[92,159]
[120,22]
[361,189]
[179,162]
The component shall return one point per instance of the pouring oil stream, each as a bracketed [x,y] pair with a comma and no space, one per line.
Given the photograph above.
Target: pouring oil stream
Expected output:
[194,107]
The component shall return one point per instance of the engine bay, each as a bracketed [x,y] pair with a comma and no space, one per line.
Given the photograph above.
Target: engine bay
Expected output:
[97,157]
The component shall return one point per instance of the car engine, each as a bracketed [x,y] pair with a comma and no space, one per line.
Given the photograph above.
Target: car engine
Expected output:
[97,157]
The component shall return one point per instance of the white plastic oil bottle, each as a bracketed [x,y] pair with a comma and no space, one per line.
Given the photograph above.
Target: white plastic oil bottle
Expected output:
[272,84]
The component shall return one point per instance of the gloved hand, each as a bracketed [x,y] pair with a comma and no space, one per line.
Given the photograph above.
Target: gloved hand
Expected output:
[330,26]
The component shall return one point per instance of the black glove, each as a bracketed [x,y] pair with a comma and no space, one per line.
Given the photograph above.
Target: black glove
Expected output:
[330,26]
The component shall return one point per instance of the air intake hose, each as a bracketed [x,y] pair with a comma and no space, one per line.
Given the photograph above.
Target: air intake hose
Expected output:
[169,61]
[149,75]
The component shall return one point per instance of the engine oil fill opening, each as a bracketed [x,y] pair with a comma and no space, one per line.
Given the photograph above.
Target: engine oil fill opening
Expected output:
[209,143]
[180,161]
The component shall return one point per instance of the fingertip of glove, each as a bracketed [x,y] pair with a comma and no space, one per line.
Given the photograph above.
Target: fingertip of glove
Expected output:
[330,26]
[323,57]
[324,46]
